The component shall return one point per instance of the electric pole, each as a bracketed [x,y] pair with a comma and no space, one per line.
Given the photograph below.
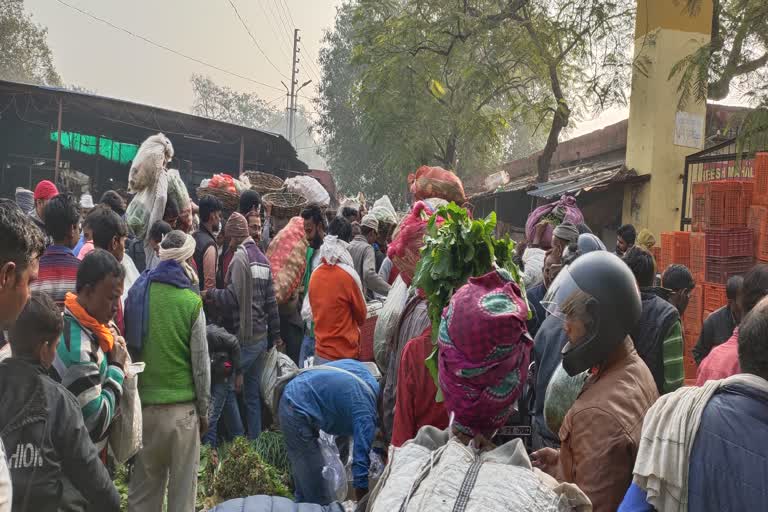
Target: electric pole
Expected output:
[294,82]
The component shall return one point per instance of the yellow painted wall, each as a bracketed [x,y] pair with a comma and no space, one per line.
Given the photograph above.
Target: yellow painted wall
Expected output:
[653,107]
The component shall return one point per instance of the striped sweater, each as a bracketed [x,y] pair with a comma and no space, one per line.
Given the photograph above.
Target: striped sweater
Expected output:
[58,273]
[82,367]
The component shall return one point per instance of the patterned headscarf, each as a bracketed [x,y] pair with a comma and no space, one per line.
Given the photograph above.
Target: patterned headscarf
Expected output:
[484,352]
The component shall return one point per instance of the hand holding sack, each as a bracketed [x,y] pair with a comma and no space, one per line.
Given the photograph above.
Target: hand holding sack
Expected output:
[436,182]
[287,255]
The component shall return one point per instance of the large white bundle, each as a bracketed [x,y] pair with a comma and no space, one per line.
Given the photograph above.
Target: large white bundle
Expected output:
[384,211]
[389,317]
[310,189]
[430,474]
[153,156]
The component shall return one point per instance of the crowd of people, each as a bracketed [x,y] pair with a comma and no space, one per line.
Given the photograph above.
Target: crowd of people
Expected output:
[588,341]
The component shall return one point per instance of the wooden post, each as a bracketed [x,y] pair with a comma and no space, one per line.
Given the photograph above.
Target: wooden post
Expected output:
[242,153]
[58,145]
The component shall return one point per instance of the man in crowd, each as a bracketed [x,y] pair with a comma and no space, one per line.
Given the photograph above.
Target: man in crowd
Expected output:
[250,297]
[706,447]
[677,284]
[44,192]
[338,398]
[110,233]
[206,250]
[58,266]
[115,201]
[86,205]
[90,359]
[337,304]
[625,238]
[364,258]
[19,259]
[175,386]
[598,298]
[42,415]
[719,326]
[562,236]
[723,360]
[25,199]
[250,208]
[658,335]
[536,293]
[135,250]
[314,229]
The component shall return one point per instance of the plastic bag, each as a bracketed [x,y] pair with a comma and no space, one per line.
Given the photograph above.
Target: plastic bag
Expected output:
[562,392]
[389,317]
[408,239]
[334,473]
[562,210]
[436,182]
[274,364]
[223,182]
[177,190]
[147,206]
[310,189]
[384,211]
[151,158]
[125,437]
[287,254]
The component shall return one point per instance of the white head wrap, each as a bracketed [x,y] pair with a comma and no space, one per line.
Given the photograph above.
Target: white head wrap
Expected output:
[180,254]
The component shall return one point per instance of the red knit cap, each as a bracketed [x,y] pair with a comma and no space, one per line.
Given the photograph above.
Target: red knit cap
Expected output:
[45,190]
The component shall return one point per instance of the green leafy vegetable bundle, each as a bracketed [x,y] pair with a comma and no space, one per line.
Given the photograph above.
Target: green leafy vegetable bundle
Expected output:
[455,250]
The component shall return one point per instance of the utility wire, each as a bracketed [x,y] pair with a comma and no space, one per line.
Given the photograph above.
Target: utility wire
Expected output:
[166,48]
[275,31]
[253,38]
[288,10]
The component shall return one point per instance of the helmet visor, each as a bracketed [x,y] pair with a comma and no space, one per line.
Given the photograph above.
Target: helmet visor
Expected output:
[567,301]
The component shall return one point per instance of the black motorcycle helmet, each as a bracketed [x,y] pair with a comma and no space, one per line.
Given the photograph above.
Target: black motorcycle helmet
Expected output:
[587,242]
[612,300]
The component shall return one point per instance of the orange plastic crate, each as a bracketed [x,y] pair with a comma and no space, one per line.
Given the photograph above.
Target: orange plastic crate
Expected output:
[689,367]
[720,204]
[693,316]
[730,243]
[761,179]
[756,221]
[675,248]
[698,260]
[714,296]
[656,251]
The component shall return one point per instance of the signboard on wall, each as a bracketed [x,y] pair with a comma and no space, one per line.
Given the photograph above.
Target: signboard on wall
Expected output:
[689,130]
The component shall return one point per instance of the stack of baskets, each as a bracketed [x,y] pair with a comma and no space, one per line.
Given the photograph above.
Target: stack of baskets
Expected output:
[264,183]
[229,200]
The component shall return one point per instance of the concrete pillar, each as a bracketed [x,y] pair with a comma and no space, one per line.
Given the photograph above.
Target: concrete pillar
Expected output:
[660,135]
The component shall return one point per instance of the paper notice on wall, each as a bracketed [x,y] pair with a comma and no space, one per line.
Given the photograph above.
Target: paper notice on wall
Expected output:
[689,130]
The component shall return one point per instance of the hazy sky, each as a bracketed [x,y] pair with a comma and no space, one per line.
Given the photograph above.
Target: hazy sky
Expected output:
[93,55]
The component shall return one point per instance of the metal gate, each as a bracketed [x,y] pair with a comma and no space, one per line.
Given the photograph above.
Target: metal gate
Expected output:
[720,162]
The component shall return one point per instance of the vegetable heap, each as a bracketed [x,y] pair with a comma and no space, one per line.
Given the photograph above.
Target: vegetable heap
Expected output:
[454,251]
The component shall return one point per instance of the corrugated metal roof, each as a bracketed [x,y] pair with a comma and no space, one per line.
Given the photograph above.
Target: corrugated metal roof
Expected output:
[573,184]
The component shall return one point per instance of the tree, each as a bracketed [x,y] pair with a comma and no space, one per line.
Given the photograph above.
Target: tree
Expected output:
[736,57]
[25,55]
[247,109]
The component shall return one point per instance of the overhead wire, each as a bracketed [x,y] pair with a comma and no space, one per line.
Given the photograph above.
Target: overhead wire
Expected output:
[166,48]
[275,31]
[253,38]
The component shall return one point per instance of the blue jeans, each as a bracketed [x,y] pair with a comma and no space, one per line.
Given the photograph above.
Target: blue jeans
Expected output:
[223,406]
[249,358]
[307,350]
[305,456]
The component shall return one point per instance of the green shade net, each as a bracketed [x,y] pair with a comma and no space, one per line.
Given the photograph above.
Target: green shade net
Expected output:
[121,152]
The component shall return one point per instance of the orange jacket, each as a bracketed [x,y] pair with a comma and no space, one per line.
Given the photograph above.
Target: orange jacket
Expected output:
[338,309]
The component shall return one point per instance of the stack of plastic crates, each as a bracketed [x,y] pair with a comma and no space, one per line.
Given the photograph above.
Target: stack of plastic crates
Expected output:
[675,248]
[729,253]
[721,204]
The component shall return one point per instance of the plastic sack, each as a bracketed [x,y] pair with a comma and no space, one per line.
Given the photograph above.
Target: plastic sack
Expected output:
[177,190]
[287,254]
[274,364]
[147,206]
[223,182]
[151,158]
[436,182]
[310,189]
[384,211]
[562,392]
[408,239]
[334,474]
[389,317]
[554,214]
[125,437]
[348,202]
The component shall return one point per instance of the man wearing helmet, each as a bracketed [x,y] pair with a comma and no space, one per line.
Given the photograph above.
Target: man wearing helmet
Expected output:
[598,300]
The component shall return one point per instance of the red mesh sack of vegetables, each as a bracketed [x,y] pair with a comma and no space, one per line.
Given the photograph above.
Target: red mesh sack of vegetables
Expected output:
[224,182]
[436,182]
[408,239]
[287,254]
